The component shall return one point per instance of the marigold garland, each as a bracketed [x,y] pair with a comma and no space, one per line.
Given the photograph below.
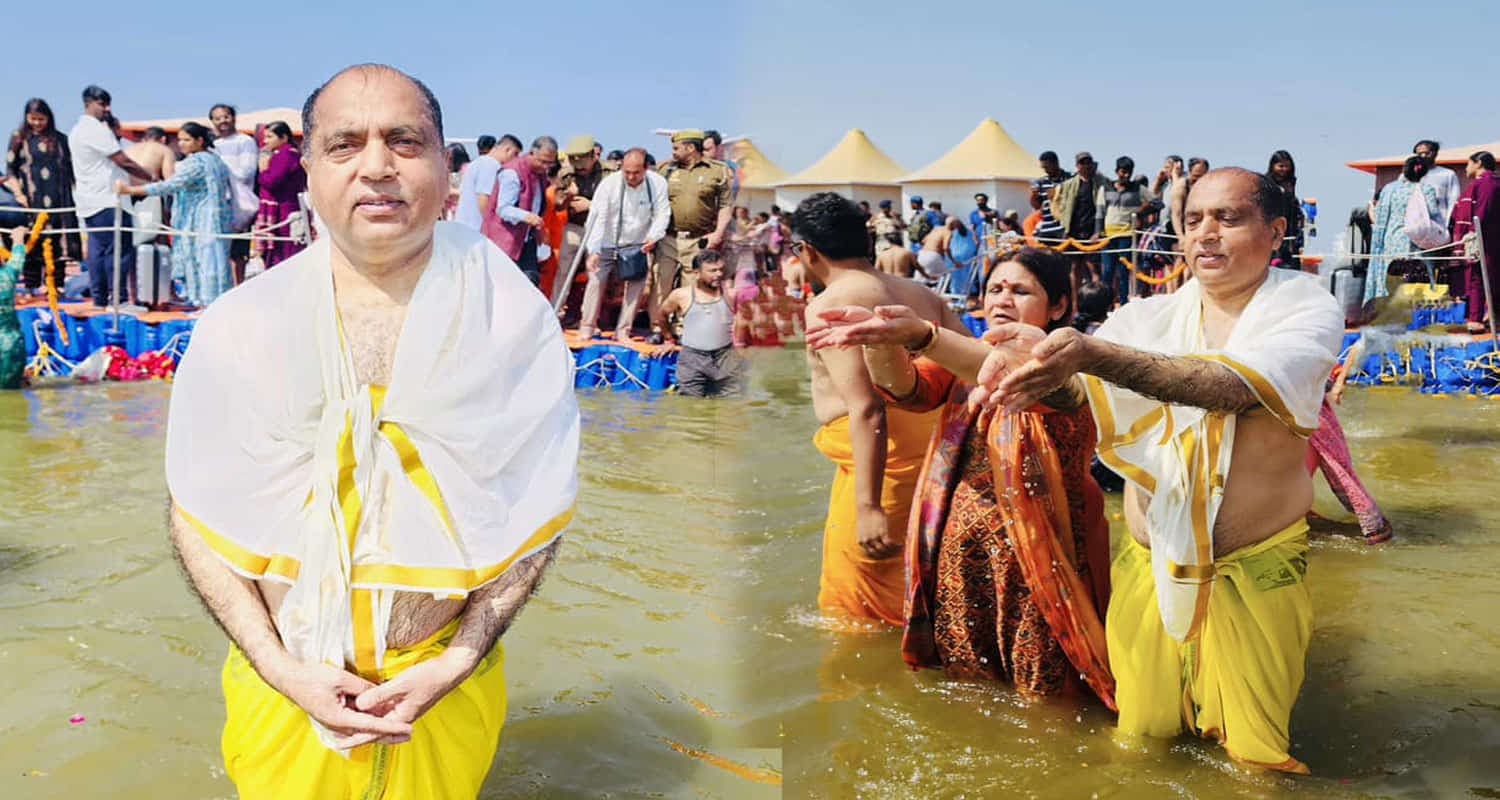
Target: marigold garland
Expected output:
[1152,281]
[62,328]
[1069,243]
[36,230]
[36,233]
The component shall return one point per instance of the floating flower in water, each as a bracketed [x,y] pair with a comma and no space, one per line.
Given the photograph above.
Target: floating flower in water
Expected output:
[77,719]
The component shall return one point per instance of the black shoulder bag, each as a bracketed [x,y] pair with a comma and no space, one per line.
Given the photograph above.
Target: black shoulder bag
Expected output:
[631,263]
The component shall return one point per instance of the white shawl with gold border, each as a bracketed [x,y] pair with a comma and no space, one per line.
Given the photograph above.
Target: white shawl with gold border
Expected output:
[294,472]
[1282,347]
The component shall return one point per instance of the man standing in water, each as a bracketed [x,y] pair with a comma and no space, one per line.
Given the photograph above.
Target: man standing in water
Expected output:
[371,453]
[708,365]
[1205,399]
[878,451]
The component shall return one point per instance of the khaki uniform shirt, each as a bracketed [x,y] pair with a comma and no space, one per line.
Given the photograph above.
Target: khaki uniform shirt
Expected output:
[696,194]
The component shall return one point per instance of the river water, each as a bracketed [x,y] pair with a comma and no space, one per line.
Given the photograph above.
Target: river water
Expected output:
[675,650]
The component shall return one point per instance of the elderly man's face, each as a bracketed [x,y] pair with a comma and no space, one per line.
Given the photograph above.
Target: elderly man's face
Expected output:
[634,169]
[376,168]
[1227,242]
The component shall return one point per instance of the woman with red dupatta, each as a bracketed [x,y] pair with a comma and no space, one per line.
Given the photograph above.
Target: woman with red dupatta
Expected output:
[1008,549]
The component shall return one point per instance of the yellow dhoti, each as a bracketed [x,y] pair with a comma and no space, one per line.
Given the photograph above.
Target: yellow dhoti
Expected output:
[852,583]
[1236,682]
[272,751]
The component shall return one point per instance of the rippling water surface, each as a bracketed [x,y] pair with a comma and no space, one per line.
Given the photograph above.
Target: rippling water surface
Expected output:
[675,649]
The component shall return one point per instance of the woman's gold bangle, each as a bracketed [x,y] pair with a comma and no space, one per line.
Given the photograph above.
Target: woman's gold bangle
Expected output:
[929,342]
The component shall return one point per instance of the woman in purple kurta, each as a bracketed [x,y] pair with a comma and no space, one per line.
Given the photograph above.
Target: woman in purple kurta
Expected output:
[281,180]
[1480,200]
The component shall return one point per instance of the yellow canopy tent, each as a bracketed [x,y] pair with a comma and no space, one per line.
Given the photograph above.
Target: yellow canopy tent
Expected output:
[855,168]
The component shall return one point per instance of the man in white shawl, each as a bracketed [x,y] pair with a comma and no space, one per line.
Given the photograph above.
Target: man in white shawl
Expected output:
[371,452]
[1204,400]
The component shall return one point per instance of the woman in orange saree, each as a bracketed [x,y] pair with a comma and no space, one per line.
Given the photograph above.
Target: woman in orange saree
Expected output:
[1007,557]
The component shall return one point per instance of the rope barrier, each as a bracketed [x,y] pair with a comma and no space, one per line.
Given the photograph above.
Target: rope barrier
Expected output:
[164,229]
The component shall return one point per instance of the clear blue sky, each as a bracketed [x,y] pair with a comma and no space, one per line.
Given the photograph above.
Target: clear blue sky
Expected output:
[1329,80]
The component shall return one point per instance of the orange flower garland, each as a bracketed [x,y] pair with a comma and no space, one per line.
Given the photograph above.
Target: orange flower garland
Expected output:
[62,328]
[1149,280]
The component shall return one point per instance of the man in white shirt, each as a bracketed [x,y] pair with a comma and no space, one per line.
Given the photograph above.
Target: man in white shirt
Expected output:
[241,154]
[476,189]
[630,210]
[98,162]
[1442,180]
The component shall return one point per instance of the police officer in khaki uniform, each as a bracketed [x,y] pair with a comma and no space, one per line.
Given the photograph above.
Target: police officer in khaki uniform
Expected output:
[701,193]
[587,171]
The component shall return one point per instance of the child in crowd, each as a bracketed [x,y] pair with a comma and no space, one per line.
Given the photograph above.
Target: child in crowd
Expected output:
[1094,303]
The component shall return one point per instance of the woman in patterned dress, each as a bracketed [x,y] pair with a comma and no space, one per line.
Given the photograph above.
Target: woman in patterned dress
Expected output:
[1008,553]
[202,207]
[40,169]
[1389,245]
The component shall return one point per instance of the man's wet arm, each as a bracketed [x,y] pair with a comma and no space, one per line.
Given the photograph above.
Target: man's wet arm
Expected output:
[492,608]
[1180,380]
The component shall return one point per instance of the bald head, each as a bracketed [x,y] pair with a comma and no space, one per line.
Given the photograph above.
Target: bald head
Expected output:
[368,73]
[1262,193]
[1232,223]
[633,166]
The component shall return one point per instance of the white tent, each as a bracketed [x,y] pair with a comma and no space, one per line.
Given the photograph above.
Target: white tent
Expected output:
[988,160]
[855,168]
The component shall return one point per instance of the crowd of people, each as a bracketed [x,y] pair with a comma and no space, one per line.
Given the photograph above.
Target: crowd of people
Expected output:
[1425,226]
[1104,221]
[222,199]
[710,272]
[1421,226]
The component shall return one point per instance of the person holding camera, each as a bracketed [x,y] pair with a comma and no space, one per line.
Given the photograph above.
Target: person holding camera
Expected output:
[627,217]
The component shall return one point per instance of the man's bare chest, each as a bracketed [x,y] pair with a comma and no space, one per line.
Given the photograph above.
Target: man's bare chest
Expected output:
[371,334]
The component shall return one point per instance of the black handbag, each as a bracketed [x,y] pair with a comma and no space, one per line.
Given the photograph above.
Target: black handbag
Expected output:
[631,262]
